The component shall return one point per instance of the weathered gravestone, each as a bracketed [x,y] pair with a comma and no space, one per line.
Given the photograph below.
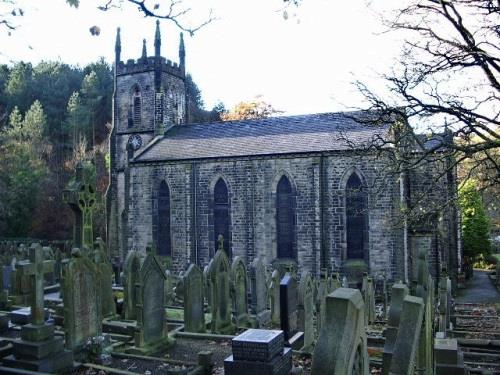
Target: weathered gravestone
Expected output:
[218,274]
[105,278]
[381,293]
[368,292]
[239,292]
[449,359]
[444,303]
[306,310]
[151,333]
[206,287]
[425,290]
[130,280]
[407,341]
[258,288]
[38,349]
[399,292]
[274,297]
[341,348]
[259,351]
[194,316]
[289,312]
[82,301]
[169,288]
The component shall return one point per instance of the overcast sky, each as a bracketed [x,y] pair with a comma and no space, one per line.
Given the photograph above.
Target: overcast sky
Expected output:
[304,64]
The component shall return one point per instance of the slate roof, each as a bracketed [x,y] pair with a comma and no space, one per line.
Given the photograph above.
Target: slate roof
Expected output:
[273,135]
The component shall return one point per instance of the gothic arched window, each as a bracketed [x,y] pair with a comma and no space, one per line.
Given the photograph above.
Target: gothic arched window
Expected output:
[221,215]
[285,219]
[163,221]
[135,111]
[356,218]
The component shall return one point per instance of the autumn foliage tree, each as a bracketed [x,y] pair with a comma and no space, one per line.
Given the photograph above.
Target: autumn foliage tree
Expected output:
[255,108]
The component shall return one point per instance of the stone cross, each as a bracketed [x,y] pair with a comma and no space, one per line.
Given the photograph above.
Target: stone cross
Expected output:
[80,195]
[220,241]
[35,269]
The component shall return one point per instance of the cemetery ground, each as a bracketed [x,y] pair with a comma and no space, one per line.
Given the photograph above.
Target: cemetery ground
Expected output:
[72,311]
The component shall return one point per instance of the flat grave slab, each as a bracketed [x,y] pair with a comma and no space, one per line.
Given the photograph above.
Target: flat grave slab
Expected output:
[258,345]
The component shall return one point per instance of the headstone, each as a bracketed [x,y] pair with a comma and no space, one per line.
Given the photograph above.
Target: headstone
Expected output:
[306,310]
[444,304]
[117,270]
[169,288]
[82,301]
[206,287]
[407,340]
[194,316]
[105,277]
[274,297]
[369,297]
[151,332]
[239,291]
[6,276]
[218,274]
[399,292]
[289,312]
[259,351]
[425,290]
[342,348]
[130,280]
[38,349]
[258,288]
[381,294]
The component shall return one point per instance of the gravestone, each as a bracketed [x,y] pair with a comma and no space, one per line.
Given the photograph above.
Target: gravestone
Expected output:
[194,316]
[169,288]
[342,348]
[425,290]
[80,195]
[407,340]
[274,297]
[38,349]
[218,274]
[289,312]
[206,287]
[368,292]
[82,301]
[105,278]
[117,270]
[259,351]
[239,292]
[130,280]
[399,292]
[6,276]
[258,288]
[381,293]
[151,332]
[306,310]
[444,307]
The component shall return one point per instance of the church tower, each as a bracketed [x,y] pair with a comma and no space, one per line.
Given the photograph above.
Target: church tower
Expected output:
[149,99]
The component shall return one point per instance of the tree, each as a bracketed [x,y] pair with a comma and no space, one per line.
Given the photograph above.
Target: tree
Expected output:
[475,222]
[256,108]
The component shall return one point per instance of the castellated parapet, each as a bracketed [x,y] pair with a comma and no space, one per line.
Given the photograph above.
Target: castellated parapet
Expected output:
[142,65]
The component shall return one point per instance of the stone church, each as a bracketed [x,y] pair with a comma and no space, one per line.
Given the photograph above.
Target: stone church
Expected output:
[290,189]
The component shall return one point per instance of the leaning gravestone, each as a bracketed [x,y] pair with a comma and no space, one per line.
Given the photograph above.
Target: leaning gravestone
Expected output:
[239,291]
[407,341]
[399,292]
[194,316]
[258,288]
[289,312]
[130,280]
[151,333]
[306,310]
[274,297]
[342,348]
[38,349]
[259,351]
[218,274]
[82,301]
[105,276]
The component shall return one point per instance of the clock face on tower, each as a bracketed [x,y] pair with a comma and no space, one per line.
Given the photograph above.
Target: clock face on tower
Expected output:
[135,141]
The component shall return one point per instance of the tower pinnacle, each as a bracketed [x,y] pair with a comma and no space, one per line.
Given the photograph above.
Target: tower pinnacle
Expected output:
[144,52]
[157,39]
[118,46]
[182,52]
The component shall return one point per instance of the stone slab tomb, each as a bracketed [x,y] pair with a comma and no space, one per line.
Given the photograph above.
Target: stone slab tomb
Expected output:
[38,349]
[342,348]
[259,351]
[193,287]
[448,358]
